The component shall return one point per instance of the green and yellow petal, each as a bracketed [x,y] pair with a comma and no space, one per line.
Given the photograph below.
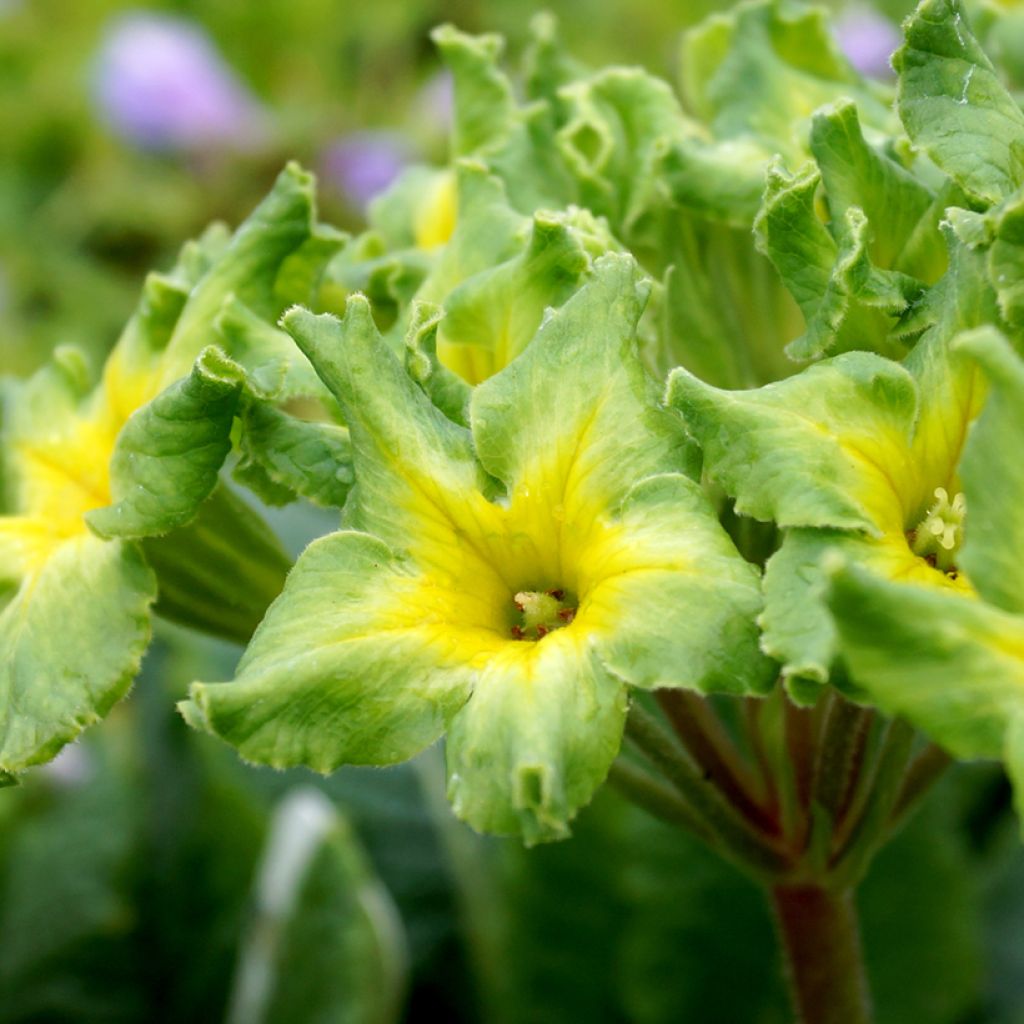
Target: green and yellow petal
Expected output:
[950,664]
[355,663]
[536,738]
[72,634]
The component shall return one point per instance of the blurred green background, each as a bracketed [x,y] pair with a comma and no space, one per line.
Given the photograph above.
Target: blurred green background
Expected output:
[130,885]
[86,209]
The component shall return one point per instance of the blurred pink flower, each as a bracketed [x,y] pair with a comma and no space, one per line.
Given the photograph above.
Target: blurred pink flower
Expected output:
[161,83]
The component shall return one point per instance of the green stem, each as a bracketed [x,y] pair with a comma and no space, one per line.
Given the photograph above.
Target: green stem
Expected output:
[924,771]
[821,943]
[710,746]
[735,837]
[801,746]
[657,798]
[840,755]
[753,708]
[864,830]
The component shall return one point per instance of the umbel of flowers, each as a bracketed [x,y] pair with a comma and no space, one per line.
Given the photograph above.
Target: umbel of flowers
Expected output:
[654,403]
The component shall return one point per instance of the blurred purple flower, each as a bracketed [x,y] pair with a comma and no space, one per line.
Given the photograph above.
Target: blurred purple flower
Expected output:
[161,83]
[868,39]
[363,164]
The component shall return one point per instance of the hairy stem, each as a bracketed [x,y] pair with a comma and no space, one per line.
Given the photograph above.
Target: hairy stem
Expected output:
[821,943]
[734,836]
[657,798]
[711,747]
[923,772]
[840,756]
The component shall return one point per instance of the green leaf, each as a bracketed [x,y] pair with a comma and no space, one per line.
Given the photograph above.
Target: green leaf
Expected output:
[910,938]
[564,906]
[325,942]
[954,106]
[169,453]
[71,640]
[67,921]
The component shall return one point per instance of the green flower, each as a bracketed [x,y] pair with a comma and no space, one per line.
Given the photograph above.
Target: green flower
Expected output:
[951,661]
[100,486]
[504,582]
[857,453]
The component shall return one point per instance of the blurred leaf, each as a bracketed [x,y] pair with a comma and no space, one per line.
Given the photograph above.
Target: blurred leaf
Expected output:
[921,922]
[325,943]
[66,916]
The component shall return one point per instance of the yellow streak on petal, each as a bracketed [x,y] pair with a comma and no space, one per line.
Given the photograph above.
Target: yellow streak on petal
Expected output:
[25,544]
[125,387]
[435,219]
[888,478]
[65,473]
[475,556]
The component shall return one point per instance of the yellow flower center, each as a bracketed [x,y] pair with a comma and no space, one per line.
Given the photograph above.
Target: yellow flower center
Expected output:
[541,612]
[938,536]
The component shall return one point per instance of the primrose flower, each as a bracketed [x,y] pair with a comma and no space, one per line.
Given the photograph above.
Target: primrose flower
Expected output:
[504,582]
[856,454]
[953,662]
[93,475]
[161,84]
